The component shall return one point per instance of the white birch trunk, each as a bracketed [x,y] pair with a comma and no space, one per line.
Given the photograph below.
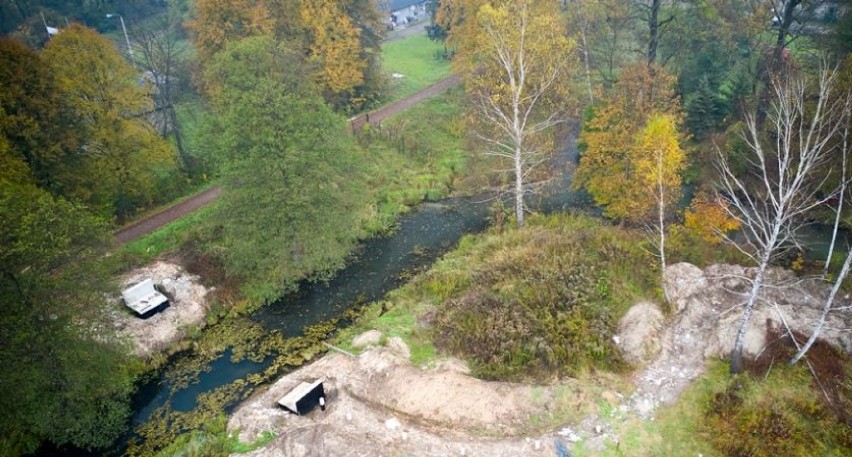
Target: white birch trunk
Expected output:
[842,195]
[829,303]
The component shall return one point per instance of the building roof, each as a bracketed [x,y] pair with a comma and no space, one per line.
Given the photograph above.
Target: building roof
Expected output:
[396,5]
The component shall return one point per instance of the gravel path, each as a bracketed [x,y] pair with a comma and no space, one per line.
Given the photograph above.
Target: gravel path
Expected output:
[147,225]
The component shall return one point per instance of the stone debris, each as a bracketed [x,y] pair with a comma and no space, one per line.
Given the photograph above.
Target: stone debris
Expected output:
[368,338]
[187,308]
[393,423]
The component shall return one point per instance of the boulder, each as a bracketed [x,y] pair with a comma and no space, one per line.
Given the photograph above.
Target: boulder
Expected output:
[398,347]
[639,333]
[368,338]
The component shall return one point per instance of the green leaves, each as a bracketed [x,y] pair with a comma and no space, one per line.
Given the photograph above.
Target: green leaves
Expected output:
[64,378]
[294,191]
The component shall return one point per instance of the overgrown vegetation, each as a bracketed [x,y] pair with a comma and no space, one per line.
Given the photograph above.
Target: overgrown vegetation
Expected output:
[541,301]
[523,304]
[414,156]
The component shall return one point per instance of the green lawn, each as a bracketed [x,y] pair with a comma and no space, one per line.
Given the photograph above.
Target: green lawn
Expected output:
[418,59]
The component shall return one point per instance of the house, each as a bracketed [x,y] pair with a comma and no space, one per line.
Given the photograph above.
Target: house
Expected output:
[402,12]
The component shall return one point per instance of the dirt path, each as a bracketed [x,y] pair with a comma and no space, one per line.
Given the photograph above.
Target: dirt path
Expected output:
[155,221]
[147,225]
[380,114]
[381,406]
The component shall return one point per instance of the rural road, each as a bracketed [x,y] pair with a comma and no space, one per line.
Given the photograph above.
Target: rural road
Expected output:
[147,225]
[153,222]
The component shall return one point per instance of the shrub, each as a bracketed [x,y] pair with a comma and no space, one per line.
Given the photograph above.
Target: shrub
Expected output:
[778,416]
[541,301]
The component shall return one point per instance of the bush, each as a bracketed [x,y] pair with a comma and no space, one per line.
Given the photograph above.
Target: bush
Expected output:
[779,416]
[541,301]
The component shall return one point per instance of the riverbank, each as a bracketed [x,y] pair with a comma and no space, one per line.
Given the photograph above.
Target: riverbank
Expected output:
[381,404]
[163,331]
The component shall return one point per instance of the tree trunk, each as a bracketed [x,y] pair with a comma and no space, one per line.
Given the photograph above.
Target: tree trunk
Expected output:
[661,221]
[839,205]
[654,31]
[586,59]
[825,310]
[737,352]
[784,29]
[519,188]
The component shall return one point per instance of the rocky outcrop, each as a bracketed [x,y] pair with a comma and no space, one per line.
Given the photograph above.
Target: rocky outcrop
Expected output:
[719,292]
[707,307]
[639,333]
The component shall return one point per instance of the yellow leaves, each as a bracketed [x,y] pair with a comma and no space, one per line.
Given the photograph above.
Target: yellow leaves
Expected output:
[708,218]
[658,154]
[334,45]
[632,145]
[330,36]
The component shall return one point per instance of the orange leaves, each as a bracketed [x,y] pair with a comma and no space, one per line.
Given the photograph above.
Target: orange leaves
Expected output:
[632,145]
[708,218]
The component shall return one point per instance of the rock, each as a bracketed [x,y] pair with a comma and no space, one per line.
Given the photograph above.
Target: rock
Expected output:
[569,435]
[393,423]
[707,300]
[639,333]
[368,338]
[398,347]
[681,281]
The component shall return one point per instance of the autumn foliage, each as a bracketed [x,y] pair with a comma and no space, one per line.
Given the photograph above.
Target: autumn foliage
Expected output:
[335,38]
[708,218]
[614,166]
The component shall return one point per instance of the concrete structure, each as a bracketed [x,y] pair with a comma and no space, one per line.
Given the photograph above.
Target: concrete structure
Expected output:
[304,397]
[143,298]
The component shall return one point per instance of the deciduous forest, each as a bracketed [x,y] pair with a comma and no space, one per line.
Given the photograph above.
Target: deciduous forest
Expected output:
[701,131]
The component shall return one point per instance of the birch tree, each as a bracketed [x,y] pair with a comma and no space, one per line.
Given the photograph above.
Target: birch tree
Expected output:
[659,164]
[788,168]
[516,58]
[840,197]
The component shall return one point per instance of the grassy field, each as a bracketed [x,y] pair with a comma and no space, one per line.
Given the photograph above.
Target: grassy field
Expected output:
[418,59]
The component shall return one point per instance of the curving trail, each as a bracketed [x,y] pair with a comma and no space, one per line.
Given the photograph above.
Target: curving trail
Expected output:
[147,225]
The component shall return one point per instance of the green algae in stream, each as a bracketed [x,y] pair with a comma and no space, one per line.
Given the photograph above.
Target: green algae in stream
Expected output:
[246,340]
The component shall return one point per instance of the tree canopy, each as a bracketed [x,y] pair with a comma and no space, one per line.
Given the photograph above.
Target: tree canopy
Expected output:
[65,378]
[294,196]
[611,164]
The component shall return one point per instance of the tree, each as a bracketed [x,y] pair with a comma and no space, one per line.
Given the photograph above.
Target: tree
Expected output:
[659,163]
[516,60]
[159,40]
[707,217]
[33,122]
[294,196]
[123,164]
[65,378]
[334,45]
[609,164]
[339,40]
[787,170]
[580,15]
[655,27]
